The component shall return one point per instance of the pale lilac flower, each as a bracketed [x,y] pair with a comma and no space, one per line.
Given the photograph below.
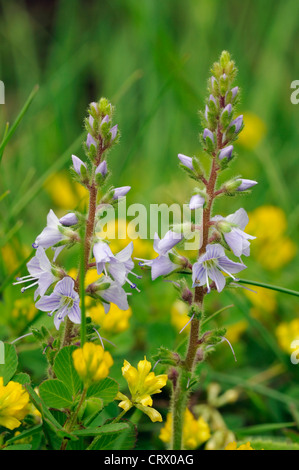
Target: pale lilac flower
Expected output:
[226,152]
[228,108]
[212,98]
[234,91]
[105,120]
[77,163]
[113,131]
[51,233]
[186,161]
[91,121]
[196,202]
[206,112]
[210,265]
[113,294]
[41,274]
[246,184]
[118,266]
[121,192]
[102,168]
[237,123]
[208,133]
[64,301]
[162,265]
[95,106]
[236,238]
[69,219]
[213,81]
[90,141]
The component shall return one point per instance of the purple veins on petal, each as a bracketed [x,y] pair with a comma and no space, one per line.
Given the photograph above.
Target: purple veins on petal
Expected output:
[186,161]
[40,270]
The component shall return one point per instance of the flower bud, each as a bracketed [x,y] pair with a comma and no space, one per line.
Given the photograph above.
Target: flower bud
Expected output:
[69,219]
[78,164]
[92,363]
[226,152]
[121,192]
[186,161]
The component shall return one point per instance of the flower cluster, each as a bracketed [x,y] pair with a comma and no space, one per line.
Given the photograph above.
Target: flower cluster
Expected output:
[14,404]
[195,431]
[92,363]
[142,384]
[221,128]
[76,227]
[223,239]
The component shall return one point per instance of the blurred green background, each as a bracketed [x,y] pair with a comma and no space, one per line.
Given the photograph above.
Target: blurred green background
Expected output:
[152,60]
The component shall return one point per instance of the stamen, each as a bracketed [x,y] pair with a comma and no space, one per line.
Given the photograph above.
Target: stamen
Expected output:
[21,337]
[132,285]
[21,280]
[222,269]
[28,287]
[99,338]
[207,281]
[186,324]
[34,245]
[225,339]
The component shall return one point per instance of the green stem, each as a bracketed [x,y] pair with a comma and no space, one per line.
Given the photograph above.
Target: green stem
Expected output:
[180,392]
[72,421]
[269,286]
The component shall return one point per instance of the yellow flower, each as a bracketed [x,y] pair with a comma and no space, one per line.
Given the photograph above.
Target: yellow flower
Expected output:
[235,331]
[179,316]
[64,193]
[253,132]
[92,363]
[233,446]
[24,309]
[14,404]
[272,248]
[287,333]
[142,384]
[195,431]
[116,321]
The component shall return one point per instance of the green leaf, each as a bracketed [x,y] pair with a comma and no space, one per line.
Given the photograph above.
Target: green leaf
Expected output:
[125,441]
[8,369]
[65,371]
[271,444]
[55,394]
[22,378]
[18,447]
[25,434]
[106,389]
[9,133]
[110,428]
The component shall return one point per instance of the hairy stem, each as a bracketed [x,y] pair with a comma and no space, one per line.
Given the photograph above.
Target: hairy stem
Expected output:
[180,393]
